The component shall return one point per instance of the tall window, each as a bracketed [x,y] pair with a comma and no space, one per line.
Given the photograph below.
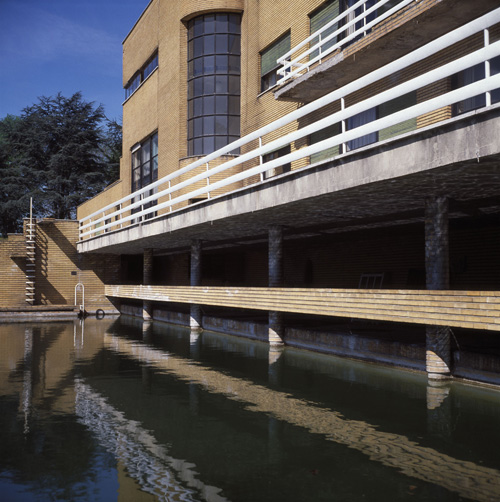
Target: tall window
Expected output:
[145,169]
[213,82]
[268,64]
[141,75]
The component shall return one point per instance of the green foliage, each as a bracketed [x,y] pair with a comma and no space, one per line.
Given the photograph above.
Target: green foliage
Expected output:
[60,151]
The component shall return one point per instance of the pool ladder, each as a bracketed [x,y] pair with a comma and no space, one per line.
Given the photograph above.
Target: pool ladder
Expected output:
[30,258]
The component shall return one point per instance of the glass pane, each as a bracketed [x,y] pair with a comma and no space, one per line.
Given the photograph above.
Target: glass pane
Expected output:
[221,44]
[221,64]
[221,84]
[208,125]
[208,144]
[198,87]
[190,88]
[190,128]
[209,44]
[221,23]
[209,85]
[198,26]
[190,109]
[209,21]
[234,44]
[220,124]
[198,146]
[190,69]
[136,159]
[234,64]
[136,177]
[234,23]
[198,127]
[220,141]
[190,147]
[190,30]
[190,50]
[221,105]
[209,105]
[234,125]
[154,152]
[234,85]
[146,170]
[198,67]
[230,139]
[198,47]
[146,151]
[208,64]
[198,107]
[155,169]
[234,105]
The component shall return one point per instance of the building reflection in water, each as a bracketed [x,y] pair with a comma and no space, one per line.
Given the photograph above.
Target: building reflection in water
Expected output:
[50,369]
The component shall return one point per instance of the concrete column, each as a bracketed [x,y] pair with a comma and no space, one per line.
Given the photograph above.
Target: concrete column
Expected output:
[276,329]
[147,278]
[438,352]
[195,319]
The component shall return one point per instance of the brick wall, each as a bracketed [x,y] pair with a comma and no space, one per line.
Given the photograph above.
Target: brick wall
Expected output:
[59,268]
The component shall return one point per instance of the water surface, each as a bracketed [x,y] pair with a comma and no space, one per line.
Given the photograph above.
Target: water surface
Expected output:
[114,409]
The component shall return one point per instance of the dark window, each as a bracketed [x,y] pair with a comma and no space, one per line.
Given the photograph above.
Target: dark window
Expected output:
[145,170]
[146,70]
[320,18]
[279,169]
[333,8]
[213,82]
[469,76]
[268,62]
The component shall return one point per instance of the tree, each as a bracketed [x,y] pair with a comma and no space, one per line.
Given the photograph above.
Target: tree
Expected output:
[61,151]
[15,183]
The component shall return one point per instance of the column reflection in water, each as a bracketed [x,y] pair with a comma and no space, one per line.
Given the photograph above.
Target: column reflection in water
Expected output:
[439,408]
[221,418]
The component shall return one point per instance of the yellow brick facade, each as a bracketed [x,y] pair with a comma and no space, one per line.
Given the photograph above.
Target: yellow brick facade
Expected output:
[159,105]
[59,268]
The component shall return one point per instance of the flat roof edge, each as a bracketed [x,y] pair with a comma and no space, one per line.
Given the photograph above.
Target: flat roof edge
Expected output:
[138,19]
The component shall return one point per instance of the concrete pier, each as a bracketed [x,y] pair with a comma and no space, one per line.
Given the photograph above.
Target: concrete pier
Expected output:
[438,352]
[147,277]
[195,317]
[276,329]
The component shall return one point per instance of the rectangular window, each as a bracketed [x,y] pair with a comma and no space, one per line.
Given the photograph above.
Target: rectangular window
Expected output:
[321,135]
[279,169]
[145,171]
[146,70]
[320,18]
[268,61]
[469,76]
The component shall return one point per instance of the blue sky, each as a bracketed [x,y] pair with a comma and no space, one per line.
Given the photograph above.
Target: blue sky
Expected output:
[51,46]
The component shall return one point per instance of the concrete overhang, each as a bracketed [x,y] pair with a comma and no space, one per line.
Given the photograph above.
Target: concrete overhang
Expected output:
[351,64]
[459,158]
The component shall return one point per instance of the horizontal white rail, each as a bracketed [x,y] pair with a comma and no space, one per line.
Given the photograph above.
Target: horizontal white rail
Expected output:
[90,227]
[292,68]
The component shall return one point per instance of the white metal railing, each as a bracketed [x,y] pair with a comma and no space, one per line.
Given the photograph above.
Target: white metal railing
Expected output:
[95,223]
[347,32]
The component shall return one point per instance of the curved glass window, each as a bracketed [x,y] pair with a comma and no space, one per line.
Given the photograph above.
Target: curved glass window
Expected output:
[213,82]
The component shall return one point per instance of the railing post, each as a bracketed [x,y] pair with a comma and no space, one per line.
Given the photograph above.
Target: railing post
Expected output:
[344,125]
[120,216]
[261,160]
[170,195]
[487,69]
[208,183]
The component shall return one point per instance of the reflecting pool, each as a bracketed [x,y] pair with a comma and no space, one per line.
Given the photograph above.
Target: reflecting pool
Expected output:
[115,409]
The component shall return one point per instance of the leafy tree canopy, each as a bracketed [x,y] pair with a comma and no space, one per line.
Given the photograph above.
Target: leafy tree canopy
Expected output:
[60,151]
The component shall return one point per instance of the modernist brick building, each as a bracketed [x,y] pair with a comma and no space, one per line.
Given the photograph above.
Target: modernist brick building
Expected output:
[347,145]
